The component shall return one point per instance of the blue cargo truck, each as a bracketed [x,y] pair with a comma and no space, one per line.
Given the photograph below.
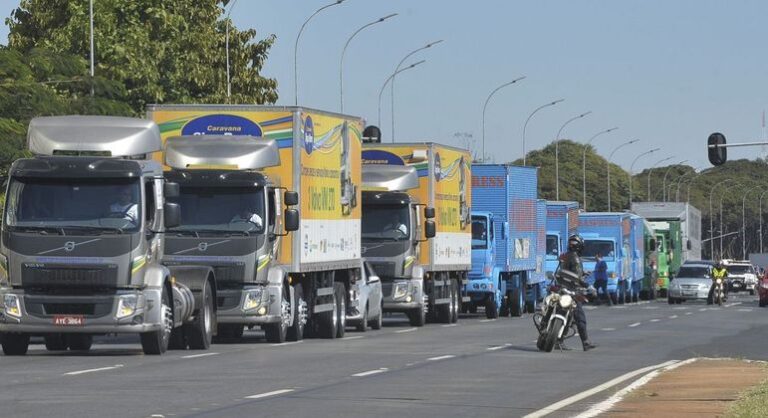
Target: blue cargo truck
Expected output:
[540,275]
[562,222]
[610,234]
[504,240]
[638,224]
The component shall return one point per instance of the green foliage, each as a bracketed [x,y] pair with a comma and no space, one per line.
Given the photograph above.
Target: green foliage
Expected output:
[171,51]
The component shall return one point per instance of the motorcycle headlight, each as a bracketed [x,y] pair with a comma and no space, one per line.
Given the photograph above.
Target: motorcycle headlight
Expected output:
[719,281]
[126,305]
[566,301]
[12,305]
[253,299]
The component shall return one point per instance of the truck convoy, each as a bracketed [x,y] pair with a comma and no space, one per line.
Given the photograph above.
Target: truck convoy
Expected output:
[416,226]
[287,284]
[609,233]
[678,235]
[505,235]
[562,222]
[83,240]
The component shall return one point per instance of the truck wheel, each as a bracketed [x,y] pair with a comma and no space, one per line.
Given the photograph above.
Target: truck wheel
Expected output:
[456,300]
[156,342]
[417,317]
[363,325]
[296,330]
[491,307]
[79,342]
[341,310]
[15,344]
[55,342]
[327,321]
[516,302]
[530,306]
[200,332]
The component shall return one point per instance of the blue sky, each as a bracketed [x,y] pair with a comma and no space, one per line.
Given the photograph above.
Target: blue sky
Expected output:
[667,72]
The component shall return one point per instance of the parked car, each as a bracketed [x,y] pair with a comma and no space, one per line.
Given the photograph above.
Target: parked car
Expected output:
[742,276]
[762,289]
[365,301]
[692,282]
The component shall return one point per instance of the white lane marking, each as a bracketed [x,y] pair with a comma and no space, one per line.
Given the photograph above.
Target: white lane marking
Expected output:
[288,343]
[655,320]
[651,307]
[679,308]
[702,309]
[619,307]
[200,355]
[406,330]
[607,329]
[370,372]
[440,358]
[745,310]
[606,405]
[732,304]
[590,308]
[486,320]
[597,389]
[356,337]
[450,325]
[689,313]
[498,347]
[636,324]
[100,369]
[672,316]
[268,394]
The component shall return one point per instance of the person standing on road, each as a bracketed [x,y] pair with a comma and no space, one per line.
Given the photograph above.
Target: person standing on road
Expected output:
[719,272]
[571,261]
[601,279]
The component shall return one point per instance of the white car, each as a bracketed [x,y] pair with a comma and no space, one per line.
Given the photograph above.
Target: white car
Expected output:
[742,276]
[691,282]
[365,301]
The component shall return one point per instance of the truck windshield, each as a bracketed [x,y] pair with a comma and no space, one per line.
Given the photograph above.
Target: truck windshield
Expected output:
[73,205]
[592,247]
[385,222]
[221,209]
[479,233]
[553,246]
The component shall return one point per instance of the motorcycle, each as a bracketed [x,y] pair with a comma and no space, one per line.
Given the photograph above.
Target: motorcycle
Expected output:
[719,293]
[555,320]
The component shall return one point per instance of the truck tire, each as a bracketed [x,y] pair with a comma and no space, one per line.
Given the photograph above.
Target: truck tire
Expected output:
[456,301]
[55,342]
[363,325]
[79,342]
[15,344]
[515,302]
[200,332]
[417,317]
[341,310]
[530,305]
[491,308]
[156,342]
[296,330]
[327,322]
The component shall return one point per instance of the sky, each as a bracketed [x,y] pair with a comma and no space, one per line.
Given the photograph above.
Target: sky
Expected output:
[666,72]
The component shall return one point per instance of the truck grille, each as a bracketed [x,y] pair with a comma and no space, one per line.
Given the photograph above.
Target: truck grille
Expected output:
[384,269]
[229,277]
[69,308]
[43,306]
[68,277]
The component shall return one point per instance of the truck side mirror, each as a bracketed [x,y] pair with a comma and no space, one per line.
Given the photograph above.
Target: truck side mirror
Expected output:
[171,190]
[429,213]
[291,220]
[688,245]
[429,229]
[291,198]
[172,213]
[652,245]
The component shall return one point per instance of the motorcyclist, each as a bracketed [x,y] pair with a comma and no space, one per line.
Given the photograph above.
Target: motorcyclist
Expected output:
[718,272]
[571,261]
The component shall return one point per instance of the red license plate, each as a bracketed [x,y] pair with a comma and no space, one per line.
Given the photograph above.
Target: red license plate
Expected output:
[69,320]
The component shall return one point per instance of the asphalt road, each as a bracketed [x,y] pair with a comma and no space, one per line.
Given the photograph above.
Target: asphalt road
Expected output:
[477,368]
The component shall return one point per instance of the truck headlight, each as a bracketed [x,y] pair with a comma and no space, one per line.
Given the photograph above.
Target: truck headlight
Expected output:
[126,305]
[3,270]
[565,301]
[400,291]
[253,299]
[12,305]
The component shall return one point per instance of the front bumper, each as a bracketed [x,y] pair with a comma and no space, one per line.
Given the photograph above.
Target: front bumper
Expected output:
[98,313]
[482,286]
[737,285]
[687,294]
[231,306]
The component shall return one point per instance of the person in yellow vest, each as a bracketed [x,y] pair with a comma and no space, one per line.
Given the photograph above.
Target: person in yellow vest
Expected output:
[718,272]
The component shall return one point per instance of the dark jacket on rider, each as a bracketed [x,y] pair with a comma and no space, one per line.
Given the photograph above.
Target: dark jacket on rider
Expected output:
[572,262]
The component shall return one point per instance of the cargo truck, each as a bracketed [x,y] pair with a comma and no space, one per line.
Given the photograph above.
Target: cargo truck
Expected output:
[562,222]
[650,287]
[416,226]
[609,233]
[504,240]
[83,239]
[311,271]
[635,282]
[678,235]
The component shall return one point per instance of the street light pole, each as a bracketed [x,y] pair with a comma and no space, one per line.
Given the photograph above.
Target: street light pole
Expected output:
[390,78]
[711,217]
[90,8]
[296,50]
[525,125]
[744,222]
[509,83]
[760,215]
[344,51]
[664,181]
[630,172]
[557,152]
[608,168]
[392,91]
[229,83]
[584,166]
[650,170]
[680,182]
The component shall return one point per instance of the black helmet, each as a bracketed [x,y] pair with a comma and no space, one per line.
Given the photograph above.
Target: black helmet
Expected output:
[576,243]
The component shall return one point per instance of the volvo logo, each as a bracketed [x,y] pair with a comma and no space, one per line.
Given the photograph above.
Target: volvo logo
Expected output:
[202,247]
[69,246]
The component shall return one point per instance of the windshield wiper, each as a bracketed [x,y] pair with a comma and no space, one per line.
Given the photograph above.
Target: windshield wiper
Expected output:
[197,232]
[42,230]
[99,229]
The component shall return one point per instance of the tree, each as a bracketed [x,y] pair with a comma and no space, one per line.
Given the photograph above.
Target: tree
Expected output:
[171,51]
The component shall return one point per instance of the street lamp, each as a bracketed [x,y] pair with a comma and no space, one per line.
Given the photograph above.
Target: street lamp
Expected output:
[229,81]
[690,183]
[344,51]
[509,83]
[711,218]
[584,165]
[529,118]
[680,182]
[557,152]
[296,50]
[630,172]
[664,182]
[650,170]
[608,168]
[392,92]
[391,78]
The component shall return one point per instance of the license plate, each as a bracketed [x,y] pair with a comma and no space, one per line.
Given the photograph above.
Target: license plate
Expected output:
[69,320]
[736,284]
[689,293]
